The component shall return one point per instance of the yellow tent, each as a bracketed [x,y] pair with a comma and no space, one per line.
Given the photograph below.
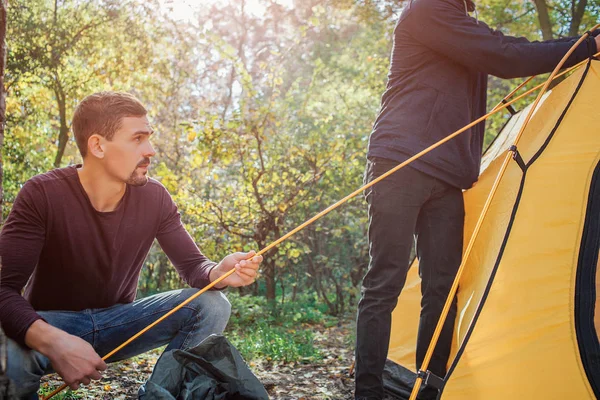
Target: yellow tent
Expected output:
[527,299]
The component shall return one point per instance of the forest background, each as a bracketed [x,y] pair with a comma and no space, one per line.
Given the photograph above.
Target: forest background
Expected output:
[262,111]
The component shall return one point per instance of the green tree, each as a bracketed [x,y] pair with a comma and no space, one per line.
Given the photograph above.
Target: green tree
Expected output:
[72,48]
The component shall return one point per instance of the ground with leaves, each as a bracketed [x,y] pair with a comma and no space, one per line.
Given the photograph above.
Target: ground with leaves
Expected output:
[327,378]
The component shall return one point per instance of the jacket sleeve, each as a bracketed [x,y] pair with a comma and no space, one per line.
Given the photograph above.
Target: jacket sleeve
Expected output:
[21,243]
[444,28]
[512,39]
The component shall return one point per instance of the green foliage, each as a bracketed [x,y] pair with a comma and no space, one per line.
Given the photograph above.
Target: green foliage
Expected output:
[254,309]
[67,394]
[278,333]
[522,19]
[275,343]
[58,52]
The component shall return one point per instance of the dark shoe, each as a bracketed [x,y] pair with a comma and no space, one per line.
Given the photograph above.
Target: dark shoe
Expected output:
[428,393]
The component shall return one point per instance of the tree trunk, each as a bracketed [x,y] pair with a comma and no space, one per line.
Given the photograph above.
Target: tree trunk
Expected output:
[577,13]
[544,18]
[4,385]
[270,279]
[162,276]
[63,134]
[294,293]
[3,11]
[546,27]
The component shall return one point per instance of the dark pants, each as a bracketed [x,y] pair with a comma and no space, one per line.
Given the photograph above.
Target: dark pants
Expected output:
[404,204]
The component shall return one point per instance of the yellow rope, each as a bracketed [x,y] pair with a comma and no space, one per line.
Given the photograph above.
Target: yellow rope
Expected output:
[501,106]
[454,288]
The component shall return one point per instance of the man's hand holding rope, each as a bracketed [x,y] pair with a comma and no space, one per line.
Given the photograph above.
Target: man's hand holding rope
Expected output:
[74,359]
[246,265]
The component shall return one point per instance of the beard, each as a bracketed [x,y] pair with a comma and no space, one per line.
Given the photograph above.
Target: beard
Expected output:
[138,178]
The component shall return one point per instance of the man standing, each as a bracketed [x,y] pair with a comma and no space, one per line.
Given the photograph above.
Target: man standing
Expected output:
[437,84]
[78,237]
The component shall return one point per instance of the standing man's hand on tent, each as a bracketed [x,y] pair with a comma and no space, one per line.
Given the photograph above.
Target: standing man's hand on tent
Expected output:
[597,43]
[246,265]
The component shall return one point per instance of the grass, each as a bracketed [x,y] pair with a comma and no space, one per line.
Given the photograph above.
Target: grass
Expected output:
[279,332]
[66,394]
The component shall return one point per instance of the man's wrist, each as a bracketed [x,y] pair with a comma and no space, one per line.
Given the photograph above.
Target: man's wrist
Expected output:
[214,274]
[41,336]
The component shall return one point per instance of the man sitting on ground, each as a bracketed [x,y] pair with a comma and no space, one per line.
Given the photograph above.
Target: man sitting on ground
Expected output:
[78,237]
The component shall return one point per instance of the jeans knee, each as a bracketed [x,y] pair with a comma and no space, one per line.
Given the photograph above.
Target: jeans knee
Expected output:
[220,305]
[213,308]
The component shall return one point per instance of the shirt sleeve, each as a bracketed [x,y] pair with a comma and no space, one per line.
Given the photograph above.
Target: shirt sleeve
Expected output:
[193,266]
[445,29]
[21,242]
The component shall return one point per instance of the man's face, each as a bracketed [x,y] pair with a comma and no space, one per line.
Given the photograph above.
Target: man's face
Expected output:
[127,155]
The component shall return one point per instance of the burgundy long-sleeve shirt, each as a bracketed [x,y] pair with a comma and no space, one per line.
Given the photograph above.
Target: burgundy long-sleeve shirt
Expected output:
[73,257]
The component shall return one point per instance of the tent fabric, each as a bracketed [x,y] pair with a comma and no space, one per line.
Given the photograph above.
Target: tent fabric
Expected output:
[527,299]
[213,370]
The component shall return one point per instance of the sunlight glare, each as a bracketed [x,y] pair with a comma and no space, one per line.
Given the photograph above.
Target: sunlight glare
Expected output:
[184,10]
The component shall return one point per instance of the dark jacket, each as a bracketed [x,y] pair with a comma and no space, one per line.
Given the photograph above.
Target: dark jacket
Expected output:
[438,82]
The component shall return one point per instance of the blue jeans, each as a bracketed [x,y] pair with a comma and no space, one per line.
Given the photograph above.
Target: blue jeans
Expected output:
[407,204]
[107,328]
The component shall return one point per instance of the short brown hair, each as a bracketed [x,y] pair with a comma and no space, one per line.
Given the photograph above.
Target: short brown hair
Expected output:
[101,113]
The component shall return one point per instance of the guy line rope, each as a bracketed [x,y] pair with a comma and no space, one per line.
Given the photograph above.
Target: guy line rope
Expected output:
[499,107]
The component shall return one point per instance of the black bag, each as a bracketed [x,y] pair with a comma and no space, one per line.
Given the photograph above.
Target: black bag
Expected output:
[213,370]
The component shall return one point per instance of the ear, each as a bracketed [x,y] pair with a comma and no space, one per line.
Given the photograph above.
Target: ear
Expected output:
[96,146]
